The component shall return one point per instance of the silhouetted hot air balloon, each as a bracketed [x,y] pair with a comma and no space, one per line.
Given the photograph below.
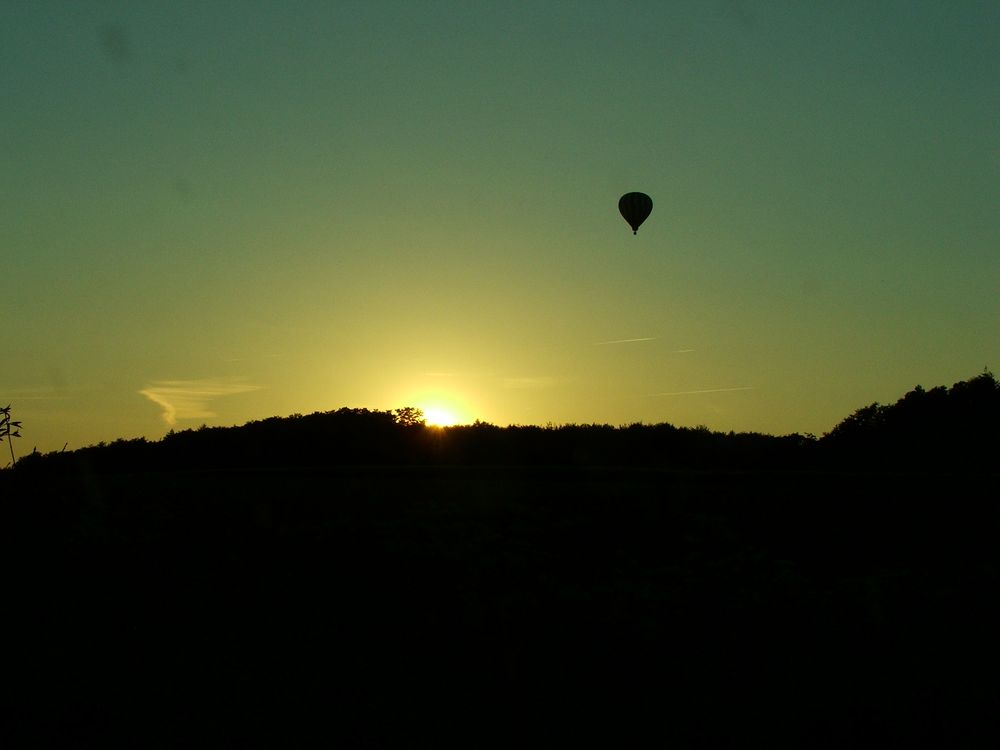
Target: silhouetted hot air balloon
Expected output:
[635,207]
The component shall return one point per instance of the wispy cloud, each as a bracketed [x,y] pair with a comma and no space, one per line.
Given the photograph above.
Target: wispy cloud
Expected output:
[705,390]
[624,341]
[682,351]
[34,394]
[536,382]
[189,399]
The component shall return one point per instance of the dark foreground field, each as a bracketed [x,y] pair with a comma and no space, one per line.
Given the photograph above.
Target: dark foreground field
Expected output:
[502,607]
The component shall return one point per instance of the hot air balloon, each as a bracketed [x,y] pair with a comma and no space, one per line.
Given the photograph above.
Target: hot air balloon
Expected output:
[635,207]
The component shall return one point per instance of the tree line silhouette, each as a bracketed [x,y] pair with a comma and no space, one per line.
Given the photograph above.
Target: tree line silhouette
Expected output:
[789,591]
[940,429]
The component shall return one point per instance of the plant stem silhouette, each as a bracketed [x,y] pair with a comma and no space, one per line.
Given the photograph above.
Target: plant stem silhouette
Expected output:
[9,429]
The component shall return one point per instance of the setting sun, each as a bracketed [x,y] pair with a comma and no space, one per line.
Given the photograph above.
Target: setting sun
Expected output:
[439,416]
[440,407]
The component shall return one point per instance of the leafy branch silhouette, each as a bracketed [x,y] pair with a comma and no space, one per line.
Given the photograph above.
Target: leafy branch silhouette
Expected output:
[9,429]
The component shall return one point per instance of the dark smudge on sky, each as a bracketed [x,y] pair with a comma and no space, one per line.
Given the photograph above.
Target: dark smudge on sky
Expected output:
[115,43]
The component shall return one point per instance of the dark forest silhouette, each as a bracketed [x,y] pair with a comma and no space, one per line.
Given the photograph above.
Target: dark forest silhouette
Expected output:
[355,578]
[937,429]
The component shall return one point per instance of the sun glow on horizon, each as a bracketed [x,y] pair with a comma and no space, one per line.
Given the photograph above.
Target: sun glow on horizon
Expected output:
[439,416]
[440,406]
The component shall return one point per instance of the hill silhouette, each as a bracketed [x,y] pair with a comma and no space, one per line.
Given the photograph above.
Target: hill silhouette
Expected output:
[357,579]
[937,429]
[940,428]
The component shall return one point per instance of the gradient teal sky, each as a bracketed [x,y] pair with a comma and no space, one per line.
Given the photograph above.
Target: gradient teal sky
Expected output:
[212,212]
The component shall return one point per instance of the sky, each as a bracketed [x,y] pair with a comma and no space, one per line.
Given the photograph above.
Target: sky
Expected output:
[215,212]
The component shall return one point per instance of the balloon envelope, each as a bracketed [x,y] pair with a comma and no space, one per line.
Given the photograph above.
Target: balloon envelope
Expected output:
[634,208]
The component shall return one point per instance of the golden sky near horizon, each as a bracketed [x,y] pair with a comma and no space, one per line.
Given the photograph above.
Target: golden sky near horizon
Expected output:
[218,212]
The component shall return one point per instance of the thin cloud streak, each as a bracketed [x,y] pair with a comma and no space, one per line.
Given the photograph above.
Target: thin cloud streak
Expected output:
[530,383]
[36,394]
[705,390]
[273,355]
[624,341]
[189,399]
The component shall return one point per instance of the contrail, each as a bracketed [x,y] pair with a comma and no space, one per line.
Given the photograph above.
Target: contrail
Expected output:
[624,341]
[536,382]
[705,390]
